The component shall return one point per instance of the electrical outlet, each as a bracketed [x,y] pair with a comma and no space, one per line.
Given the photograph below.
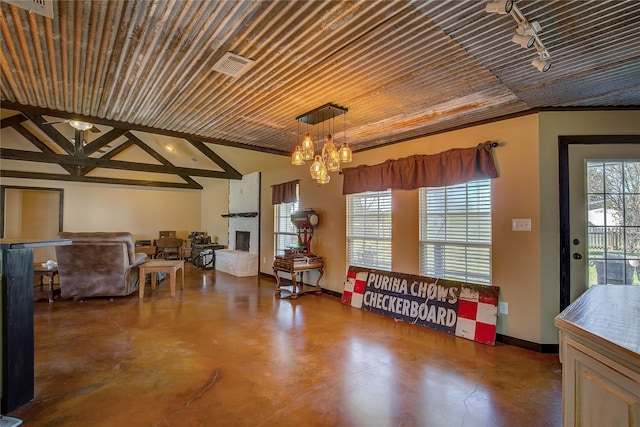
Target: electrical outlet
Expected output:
[521,224]
[503,307]
[264,259]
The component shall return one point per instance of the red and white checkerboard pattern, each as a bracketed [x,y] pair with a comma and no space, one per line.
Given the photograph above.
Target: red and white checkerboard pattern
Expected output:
[353,292]
[477,316]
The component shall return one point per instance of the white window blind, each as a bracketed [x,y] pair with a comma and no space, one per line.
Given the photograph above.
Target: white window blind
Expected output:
[455,232]
[284,232]
[369,229]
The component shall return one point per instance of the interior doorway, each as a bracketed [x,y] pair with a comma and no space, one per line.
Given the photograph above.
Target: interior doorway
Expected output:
[32,213]
[598,203]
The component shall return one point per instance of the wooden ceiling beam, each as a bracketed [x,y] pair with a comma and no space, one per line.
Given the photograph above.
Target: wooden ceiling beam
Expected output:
[62,159]
[131,137]
[10,121]
[77,163]
[215,158]
[28,109]
[37,143]
[97,180]
[52,133]
[103,140]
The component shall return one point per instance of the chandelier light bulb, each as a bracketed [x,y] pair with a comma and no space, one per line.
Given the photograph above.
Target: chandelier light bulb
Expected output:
[345,154]
[297,158]
[324,177]
[317,167]
[308,147]
[330,155]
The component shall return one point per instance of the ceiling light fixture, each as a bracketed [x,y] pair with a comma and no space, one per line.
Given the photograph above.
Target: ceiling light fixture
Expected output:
[541,62]
[500,7]
[526,32]
[77,124]
[329,158]
[524,41]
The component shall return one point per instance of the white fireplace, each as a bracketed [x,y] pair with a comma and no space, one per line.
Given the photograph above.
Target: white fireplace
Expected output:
[241,259]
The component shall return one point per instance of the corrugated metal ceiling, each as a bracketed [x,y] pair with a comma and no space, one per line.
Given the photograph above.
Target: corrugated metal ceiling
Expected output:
[402,68]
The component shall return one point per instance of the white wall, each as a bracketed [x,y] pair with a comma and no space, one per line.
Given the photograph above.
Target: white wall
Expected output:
[244,197]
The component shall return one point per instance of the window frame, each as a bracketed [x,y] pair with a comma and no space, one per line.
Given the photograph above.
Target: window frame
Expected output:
[463,249]
[360,228]
[290,231]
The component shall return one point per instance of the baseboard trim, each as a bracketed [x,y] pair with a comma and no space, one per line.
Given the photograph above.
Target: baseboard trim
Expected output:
[332,293]
[528,345]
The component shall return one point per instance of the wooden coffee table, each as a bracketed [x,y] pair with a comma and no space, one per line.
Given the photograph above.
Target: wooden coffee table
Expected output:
[155,266]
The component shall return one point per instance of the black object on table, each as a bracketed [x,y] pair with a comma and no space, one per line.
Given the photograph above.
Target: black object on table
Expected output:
[201,260]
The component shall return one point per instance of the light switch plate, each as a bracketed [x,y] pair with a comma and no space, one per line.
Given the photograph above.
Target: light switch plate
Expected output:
[521,224]
[503,307]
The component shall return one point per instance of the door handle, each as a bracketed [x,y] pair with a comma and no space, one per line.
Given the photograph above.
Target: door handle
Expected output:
[577,256]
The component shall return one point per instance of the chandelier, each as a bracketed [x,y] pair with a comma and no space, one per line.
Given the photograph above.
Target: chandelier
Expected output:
[329,158]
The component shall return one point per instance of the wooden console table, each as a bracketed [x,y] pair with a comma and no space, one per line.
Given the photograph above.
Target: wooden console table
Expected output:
[295,267]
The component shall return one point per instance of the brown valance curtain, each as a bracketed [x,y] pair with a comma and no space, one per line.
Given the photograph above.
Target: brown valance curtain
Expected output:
[450,167]
[284,193]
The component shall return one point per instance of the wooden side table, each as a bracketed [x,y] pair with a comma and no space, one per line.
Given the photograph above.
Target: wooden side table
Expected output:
[295,266]
[50,293]
[154,266]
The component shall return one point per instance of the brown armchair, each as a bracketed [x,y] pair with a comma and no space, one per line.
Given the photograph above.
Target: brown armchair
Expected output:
[98,264]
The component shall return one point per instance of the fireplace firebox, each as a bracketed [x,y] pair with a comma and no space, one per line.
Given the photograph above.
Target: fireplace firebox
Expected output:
[242,240]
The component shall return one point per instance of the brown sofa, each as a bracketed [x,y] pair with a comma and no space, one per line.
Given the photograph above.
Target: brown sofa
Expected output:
[98,264]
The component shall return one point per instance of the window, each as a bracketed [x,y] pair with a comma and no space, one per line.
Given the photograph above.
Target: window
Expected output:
[369,229]
[285,233]
[455,232]
[613,197]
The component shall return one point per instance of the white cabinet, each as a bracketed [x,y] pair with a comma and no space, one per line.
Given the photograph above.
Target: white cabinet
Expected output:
[600,355]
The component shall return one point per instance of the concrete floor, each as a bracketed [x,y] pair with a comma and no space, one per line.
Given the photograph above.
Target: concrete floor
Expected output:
[226,352]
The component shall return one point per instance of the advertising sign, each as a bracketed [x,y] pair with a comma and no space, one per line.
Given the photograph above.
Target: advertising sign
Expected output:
[463,309]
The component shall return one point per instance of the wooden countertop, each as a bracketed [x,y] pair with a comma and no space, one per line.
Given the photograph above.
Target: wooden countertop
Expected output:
[608,315]
[32,243]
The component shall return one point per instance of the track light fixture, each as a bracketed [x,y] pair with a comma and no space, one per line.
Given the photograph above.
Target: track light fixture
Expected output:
[529,28]
[524,41]
[526,31]
[500,7]
[541,64]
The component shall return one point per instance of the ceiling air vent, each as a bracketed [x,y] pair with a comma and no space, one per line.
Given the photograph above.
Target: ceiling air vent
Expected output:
[232,64]
[41,7]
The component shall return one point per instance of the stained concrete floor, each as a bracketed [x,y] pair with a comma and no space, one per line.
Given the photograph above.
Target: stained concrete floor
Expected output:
[226,352]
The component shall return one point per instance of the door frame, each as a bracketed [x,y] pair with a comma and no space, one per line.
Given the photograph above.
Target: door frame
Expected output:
[3,191]
[563,175]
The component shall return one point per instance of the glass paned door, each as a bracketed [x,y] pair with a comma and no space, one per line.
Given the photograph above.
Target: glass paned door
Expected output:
[602,209]
[613,213]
